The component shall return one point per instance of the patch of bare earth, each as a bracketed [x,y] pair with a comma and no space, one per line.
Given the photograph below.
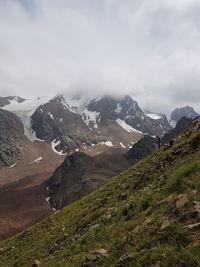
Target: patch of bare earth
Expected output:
[23,192]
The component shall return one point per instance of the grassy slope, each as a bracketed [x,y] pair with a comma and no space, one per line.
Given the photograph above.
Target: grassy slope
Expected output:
[124,217]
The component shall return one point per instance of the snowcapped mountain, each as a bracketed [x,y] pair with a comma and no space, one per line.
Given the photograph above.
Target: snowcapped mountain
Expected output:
[178,113]
[160,118]
[88,125]
[126,113]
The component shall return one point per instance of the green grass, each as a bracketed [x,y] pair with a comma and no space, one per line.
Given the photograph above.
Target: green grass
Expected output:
[124,218]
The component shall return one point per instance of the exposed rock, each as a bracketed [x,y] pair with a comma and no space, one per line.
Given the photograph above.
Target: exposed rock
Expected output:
[148,221]
[165,201]
[80,174]
[95,256]
[136,229]
[165,225]
[2,250]
[182,125]
[36,263]
[195,226]
[182,200]
[196,208]
[12,131]
[125,259]
[196,142]
[142,148]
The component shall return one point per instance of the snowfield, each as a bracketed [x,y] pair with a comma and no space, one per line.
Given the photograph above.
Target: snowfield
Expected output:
[127,127]
[24,111]
[153,116]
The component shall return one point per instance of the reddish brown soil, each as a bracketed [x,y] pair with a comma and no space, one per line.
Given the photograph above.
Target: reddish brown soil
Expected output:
[23,204]
[22,191]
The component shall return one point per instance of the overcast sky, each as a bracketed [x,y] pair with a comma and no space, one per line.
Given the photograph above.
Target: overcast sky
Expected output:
[147,48]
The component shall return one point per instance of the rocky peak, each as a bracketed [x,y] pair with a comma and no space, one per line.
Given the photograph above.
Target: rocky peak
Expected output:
[186,111]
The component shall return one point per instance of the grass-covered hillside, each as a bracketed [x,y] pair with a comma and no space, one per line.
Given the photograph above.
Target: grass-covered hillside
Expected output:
[146,216]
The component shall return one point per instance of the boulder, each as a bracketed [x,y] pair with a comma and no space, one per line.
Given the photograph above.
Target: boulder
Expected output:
[36,263]
[195,226]
[182,200]
[165,225]
[125,259]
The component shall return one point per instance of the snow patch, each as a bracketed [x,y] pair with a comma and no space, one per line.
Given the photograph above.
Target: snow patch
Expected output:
[37,160]
[51,115]
[127,127]
[122,145]
[55,143]
[12,166]
[118,108]
[172,123]
[90,117]
[153,116]
[48,200]
[106,143]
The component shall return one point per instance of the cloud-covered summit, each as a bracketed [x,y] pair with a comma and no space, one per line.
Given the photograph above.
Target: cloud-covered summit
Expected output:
[149,49]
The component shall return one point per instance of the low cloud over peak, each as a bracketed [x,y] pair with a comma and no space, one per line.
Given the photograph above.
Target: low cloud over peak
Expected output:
[148,49]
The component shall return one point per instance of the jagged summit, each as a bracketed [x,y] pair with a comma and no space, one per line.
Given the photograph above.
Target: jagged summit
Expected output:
[186,111]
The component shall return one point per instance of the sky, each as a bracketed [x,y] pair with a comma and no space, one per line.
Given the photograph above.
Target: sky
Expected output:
[149,49]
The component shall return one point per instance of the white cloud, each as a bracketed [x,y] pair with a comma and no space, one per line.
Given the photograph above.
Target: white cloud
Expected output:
[150,49]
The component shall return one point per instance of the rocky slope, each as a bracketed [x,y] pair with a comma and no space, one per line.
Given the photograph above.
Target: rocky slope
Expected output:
[186,111]
[161,120]
[146,216]
[81,174]
[11,134]
[182,125]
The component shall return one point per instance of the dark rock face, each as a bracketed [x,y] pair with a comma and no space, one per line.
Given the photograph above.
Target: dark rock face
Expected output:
[54,121]
[143,148]
[11,131]
[187,112]
[128,110]
[10,151]
[81,174]
[182,125]
[6,100]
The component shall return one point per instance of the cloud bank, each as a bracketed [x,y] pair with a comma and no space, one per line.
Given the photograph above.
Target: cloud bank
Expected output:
[148,49]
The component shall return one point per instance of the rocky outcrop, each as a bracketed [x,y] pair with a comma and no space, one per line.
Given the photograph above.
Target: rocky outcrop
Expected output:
[182,125]
[80,174]
[11,132]
[143,148]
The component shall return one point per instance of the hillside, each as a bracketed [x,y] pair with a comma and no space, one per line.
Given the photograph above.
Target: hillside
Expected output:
[147,216]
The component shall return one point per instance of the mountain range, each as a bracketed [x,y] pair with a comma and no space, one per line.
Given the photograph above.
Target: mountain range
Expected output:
[55,151]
